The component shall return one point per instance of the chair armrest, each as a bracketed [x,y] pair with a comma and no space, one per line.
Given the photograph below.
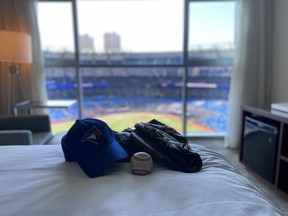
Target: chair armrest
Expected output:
[56,138]
[34,123]
[41,138]
[16,137]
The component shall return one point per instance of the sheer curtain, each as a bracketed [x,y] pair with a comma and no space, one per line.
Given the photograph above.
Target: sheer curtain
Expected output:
[19,15]
[252,72]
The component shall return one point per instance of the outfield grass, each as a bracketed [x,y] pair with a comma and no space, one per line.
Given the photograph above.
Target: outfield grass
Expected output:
[121,121]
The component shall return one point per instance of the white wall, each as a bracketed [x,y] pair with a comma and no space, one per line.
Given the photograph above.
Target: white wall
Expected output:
[280,51]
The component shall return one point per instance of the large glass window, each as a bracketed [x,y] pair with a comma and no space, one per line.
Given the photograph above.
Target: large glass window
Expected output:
[211,30]
[125,96]
[210,56]
[131,66]
[61,84]
[56,31]
[117,32]
[207,98]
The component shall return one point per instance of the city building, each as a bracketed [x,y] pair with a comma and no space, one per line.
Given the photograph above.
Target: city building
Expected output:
[86,44]
[112,42]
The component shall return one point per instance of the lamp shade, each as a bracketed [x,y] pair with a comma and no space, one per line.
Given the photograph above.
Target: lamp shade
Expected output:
[15,47]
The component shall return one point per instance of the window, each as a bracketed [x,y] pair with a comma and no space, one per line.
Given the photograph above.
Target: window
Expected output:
[211,30]
[126,95]
[131,62]
[61,84]
[56,31]
[210,56]
[116,31]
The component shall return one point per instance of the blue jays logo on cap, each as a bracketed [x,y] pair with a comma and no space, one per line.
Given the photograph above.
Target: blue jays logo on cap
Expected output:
[92,135]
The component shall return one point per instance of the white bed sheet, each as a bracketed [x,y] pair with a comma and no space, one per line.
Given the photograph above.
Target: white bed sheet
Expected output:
[36,180]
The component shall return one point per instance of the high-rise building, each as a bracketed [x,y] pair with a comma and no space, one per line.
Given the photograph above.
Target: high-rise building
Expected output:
[86,43]
[112,42]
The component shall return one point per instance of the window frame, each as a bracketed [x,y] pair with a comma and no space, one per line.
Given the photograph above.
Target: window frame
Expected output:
[186,64]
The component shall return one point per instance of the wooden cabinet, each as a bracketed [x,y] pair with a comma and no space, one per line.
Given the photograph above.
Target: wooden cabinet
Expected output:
[264,146]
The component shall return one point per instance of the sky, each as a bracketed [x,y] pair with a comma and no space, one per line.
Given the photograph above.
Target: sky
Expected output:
[143,25]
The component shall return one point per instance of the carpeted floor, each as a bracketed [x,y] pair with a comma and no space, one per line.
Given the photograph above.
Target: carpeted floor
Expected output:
[233,156]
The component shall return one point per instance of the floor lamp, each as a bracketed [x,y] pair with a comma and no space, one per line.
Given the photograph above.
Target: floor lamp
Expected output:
[15,49]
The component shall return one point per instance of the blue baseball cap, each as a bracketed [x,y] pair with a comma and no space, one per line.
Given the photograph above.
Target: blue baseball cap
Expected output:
[91,143]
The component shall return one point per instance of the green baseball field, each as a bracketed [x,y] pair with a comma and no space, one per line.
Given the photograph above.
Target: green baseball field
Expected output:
[121,121]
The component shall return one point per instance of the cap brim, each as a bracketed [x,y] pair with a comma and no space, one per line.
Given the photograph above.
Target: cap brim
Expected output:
[97,162]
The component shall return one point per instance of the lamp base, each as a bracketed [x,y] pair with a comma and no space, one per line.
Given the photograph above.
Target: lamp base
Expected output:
[14,70]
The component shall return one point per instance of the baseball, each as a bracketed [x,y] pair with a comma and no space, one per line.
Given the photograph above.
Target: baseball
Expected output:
[141,163]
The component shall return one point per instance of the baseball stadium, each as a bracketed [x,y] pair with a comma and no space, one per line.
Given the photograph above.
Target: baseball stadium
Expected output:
[123,96]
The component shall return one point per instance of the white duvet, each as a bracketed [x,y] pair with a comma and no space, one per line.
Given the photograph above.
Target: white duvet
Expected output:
[36,180]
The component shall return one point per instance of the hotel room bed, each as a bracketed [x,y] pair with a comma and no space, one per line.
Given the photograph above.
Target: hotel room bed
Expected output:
[36,180]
